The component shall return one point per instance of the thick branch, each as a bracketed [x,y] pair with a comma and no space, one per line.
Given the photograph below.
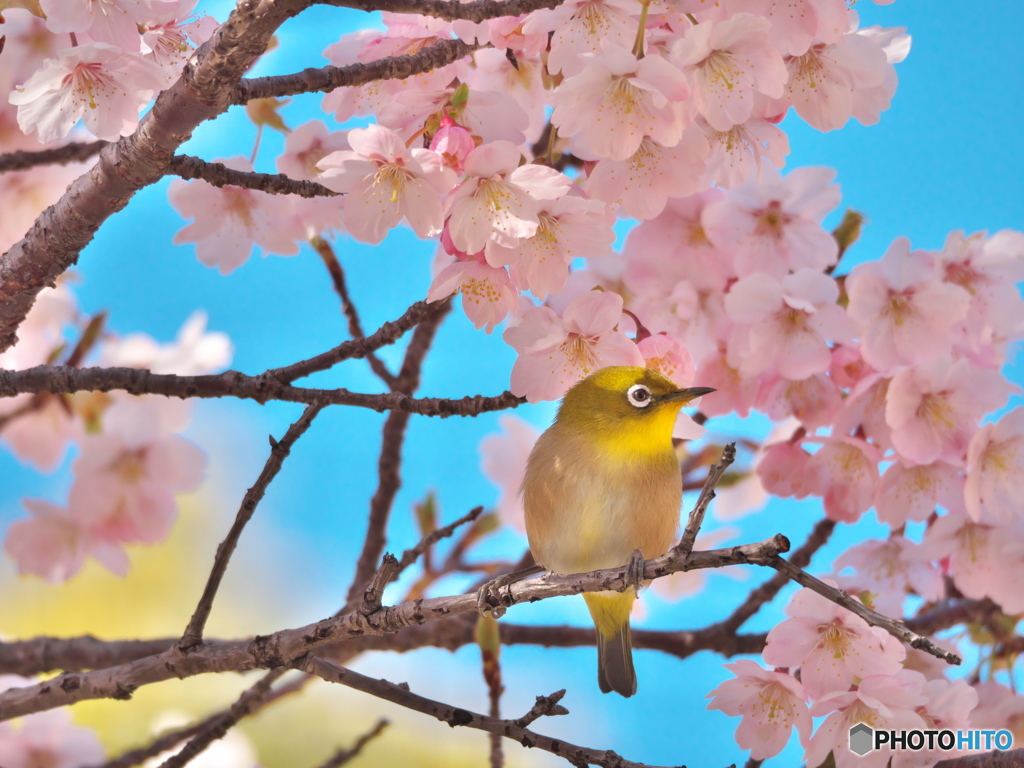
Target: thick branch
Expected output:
[477,10]
[69,153]
[326,79]
[219,175]
[1012,759]
[279,451]
[455,716]
[60,380]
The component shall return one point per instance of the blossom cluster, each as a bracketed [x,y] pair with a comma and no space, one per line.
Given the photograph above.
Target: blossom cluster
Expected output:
[132,460]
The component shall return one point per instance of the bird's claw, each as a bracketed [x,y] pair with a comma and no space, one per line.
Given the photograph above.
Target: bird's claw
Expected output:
[488,599]
[635,570]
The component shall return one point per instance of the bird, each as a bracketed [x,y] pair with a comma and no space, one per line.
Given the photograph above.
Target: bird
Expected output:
[603,487]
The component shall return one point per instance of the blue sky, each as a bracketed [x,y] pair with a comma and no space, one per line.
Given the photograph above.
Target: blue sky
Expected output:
[946,156]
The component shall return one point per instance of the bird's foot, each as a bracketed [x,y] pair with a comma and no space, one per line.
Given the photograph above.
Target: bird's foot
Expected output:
[489,600]
[635,570]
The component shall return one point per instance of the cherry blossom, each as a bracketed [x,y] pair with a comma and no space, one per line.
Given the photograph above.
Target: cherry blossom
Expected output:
[847,476]
[949,707]
[386,182]
[774,224]
[100,84]
[195,351]
[170,36]
[831,645]
[488,294]
[733,393]
[882,701]
[813,401]
[618,99]
[736,153]
[48,739]
[796,24]
[783,470]
[933,409]
[556,352]
[904,312]
[453,143]
[995,460]
[771,704]
[727,62]
[114,22]
[230,220]
[912,492]
[888,569]
[503,460]
[583,26]
[785,325]
[670,358]
[499,200]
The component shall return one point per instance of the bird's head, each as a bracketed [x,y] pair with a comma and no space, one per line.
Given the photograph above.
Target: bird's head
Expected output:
[626,402]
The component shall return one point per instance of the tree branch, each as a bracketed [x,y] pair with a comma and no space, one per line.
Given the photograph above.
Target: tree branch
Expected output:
[343,756]
[455,716]
[279,451]
[1012,759]
[707,493]
[219,175]
[75,152]
[59,380]
[477,10]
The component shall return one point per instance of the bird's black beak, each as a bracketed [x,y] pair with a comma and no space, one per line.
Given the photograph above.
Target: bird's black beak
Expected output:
[686,395]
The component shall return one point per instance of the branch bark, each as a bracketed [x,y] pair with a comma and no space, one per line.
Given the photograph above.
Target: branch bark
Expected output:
[219,175]
[75,152]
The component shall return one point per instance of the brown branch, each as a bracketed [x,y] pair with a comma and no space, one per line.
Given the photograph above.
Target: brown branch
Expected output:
[284,647]
[75,152]
[355,327]
[219,175]
[389,465]
[707,493]
[45,654]
[800,558]
[456,716]
[279,451]
[477,10]
[411,555]
[203,91]
[894,627]
[358,347]
[546,706]
[327,79]
[1012,759]
[343,756]
[60,380]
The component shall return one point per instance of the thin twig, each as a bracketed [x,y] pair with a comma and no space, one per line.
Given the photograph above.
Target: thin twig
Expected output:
[456,716]
[355,327]
[546,706]
[343,756]
[75,152]
[389,478]
[375,591]
[279,451]
[411,555]
[263,388]
[693,524]
[219,175]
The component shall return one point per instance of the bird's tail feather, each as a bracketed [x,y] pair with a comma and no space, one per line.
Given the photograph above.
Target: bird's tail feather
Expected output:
[610,611]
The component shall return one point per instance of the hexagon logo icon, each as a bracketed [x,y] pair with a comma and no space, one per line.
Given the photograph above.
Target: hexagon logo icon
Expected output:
[862,739]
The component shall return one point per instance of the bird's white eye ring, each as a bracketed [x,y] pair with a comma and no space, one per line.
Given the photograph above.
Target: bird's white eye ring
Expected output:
[639,396]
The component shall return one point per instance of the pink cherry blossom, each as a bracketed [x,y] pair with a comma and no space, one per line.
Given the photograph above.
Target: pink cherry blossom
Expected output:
[771,704]
[453,143]
[869,102]
[912,493]
[48,739]
[825,84]
[882,701]
[863,411]
[783,470]
[933,410]
[984,560]
[386,182]
[503,460]
[230,220]
[556,352]
[727,62]
[195,351]
[736,153]
[848,367]
[669,357]
[306,146]
[568,227]
[785,326]
[847,476]
[813,401]
[126,478]
[733,393]
[583,26]
[54,542]
[500,200]
[798,23]
[642,183]
[774,224]
[488,294]
[114,22]
[995,474]
[525,84]
[831,645]
[949,707]
[617,100]
[905,313]
[490,115]
[889,570]
[170,36]
[97,83]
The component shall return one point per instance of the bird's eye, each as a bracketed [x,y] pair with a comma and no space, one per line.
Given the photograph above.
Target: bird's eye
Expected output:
[639,396]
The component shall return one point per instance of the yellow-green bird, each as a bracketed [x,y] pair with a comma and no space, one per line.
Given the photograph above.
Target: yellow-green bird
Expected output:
[602,482]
